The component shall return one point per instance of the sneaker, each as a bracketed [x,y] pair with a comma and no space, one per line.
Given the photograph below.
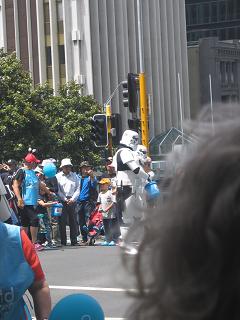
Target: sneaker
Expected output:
[38,247]
[105,243]
[112,243]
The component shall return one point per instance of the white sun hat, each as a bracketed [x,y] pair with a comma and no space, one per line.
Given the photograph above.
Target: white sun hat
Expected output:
[66,162]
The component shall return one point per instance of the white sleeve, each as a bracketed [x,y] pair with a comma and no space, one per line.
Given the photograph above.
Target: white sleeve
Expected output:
[141,173]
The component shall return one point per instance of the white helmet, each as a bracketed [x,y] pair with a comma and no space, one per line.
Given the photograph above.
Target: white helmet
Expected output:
[141,153]
[130,139]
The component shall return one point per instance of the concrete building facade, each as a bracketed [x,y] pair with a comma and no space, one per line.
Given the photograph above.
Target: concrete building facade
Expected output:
[212,18]
[221,60]
[95,43]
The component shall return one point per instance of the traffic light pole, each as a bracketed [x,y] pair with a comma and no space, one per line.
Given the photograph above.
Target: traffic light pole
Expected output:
[142,81]
[144,110]
[108,114]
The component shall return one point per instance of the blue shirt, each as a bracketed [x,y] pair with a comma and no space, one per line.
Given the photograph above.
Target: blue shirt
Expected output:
[85,184]
[16,276]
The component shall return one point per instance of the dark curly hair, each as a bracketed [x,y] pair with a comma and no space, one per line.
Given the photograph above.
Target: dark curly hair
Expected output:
[188,263]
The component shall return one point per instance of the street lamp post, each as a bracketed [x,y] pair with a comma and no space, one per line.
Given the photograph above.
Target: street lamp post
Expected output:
[142,81]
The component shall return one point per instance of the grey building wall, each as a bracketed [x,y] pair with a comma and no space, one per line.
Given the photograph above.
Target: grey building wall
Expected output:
[114,43]
[101,47]
[221,60]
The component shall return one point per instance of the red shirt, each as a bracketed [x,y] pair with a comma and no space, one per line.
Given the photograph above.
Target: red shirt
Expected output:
[31,257]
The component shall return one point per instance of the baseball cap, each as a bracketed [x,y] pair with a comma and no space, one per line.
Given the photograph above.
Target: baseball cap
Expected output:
[85,164]
[11,161]
[30,158]
[104,181]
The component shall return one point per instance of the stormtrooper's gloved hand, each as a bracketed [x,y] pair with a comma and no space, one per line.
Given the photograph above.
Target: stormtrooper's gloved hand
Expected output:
[149,179]
[137,170]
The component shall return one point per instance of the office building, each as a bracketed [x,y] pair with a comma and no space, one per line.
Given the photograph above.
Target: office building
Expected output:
[216,64]
[95,42]
[212,18]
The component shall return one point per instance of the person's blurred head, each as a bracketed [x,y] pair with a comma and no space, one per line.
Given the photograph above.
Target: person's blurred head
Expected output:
[39,173]
[104,184]
[130,139]
[66,166]
[31,161]
[108,161]
[85,167]
[12,165]
[188,264]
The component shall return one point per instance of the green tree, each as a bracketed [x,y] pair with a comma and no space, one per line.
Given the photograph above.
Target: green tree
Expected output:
[18,120]
[67,118]
[57,126]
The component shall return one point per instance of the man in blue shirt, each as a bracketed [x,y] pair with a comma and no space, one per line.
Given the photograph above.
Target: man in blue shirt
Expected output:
[87,197]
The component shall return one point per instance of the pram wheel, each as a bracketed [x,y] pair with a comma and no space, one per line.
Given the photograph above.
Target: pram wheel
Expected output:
[91,242]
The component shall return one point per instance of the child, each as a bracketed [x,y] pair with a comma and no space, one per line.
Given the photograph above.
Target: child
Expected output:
[42,210]
[45,224]
[107,201]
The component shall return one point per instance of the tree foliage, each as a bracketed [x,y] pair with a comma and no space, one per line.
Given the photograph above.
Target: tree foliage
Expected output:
[56,125]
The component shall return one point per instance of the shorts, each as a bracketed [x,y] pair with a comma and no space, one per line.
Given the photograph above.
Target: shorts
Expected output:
[29,216]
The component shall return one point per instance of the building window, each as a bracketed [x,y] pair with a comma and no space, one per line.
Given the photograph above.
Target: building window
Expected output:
[214,12]
[235,72]
[46,18]
[194,15]
[222,10]
[61,49]
[49,62]
[231,33]
[206,12]
[226,99]
[60,16]
[49,56]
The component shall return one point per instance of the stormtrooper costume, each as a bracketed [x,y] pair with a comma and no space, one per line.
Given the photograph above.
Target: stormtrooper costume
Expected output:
[128,169]
[141,157]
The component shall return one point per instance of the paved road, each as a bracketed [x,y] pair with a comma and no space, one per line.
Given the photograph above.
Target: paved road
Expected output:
[97,271]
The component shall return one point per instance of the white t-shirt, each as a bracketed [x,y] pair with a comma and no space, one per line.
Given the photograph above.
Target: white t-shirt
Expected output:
[106,199]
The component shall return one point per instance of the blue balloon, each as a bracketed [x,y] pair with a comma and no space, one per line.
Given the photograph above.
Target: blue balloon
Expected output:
[76,307]
[49,170]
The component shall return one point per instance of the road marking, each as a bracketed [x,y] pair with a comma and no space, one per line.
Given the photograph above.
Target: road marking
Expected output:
[105,319]
[91,289]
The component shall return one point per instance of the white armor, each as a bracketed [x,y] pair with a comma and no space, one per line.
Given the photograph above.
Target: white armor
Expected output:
[129,171]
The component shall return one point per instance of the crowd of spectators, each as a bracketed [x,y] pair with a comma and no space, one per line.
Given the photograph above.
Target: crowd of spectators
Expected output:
[80,193]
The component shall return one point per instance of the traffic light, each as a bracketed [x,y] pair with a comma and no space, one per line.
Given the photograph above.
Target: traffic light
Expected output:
[125,94]
[99,130]
[130,92]
[116,128]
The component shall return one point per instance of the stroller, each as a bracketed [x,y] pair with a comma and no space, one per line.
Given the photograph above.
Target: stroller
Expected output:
[95,226]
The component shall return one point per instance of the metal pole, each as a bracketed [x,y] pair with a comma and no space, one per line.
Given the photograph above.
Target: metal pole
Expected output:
[140,35]
[108,114]
[211,100]
[142,81]
[180,105]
